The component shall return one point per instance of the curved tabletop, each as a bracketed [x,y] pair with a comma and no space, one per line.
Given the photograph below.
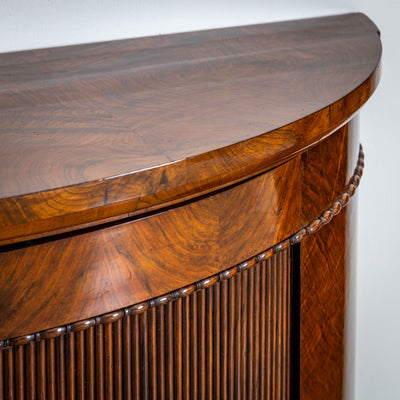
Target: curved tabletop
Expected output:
[99,132]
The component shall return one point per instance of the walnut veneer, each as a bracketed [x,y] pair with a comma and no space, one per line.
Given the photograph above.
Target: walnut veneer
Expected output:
[163,204]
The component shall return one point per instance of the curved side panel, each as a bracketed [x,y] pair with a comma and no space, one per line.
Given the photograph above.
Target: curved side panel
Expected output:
[326,329]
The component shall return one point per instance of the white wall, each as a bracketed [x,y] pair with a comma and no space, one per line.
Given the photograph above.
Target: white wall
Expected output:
[378,318]
[28,24]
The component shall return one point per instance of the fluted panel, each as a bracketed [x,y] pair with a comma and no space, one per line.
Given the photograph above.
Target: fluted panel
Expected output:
[227,337]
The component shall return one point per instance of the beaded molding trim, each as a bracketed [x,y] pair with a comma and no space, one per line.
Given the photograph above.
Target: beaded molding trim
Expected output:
[140,308]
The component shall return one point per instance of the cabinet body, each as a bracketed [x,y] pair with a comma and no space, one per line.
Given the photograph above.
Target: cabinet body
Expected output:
[226,274]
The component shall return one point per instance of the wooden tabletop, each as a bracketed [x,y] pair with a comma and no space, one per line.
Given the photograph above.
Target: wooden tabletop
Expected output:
[104,131]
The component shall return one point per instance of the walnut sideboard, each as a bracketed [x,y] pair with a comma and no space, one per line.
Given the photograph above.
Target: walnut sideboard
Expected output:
[176,218]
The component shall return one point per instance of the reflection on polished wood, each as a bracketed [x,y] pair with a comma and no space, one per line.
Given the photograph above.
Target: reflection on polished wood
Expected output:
[230,339]
[131,262]
[104,130]
[163,204]
[326,270]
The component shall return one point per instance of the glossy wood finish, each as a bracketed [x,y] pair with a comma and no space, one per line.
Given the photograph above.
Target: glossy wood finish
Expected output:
[175,192]
[326,274]
[229,340]
[261,286]
[128,263]
[110,130]
[279,357]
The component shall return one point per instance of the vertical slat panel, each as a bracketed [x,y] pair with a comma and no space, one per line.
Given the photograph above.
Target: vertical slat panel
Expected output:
[243,340]
[10,379]
[284,323]
[237,336]
[170,351]
[117,362]
[71,367]
[161,352]
[152,354]
[144,352]
[136,371]
[228,340]
[10,393]
[224,339]
[108,356]
[268,375]
[194,345]
[263,329]
[51,369]
[90,364]
[274,318]
[209,345]
[186,348]
[41,359]
[250,335]
[201,353]
[232,337]
[2,369]
[61,376]
[30,373]
[99,362]
[256,331]
[289,323]
[80,365]
[178,348]
[216,334]
[19,372]
[278,336]
[127,357]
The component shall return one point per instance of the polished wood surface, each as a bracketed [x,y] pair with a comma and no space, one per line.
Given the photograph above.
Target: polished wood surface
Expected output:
[104,131]
[102,270]
[261,292]
[229,340]
[327,271]
[163,204]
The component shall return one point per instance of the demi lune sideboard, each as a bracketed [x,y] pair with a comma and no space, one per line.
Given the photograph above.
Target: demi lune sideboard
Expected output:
[175,214]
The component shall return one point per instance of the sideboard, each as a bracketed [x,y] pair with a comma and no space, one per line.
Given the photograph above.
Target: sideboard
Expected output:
[176,218]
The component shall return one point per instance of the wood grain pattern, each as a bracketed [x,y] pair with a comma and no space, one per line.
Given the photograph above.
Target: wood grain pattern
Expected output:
[120,265]
[314,226]
[277,341]
[336,157]
[275,330]
[104,131]
[326,277]
[161,334]
[133,173]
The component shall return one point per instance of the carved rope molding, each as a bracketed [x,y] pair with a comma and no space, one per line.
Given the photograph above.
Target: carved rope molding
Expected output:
[324,218]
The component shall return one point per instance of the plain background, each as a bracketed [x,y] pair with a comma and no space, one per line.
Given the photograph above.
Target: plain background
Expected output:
[26,24]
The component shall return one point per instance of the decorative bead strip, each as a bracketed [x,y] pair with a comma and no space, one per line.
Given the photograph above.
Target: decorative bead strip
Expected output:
[140,308]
